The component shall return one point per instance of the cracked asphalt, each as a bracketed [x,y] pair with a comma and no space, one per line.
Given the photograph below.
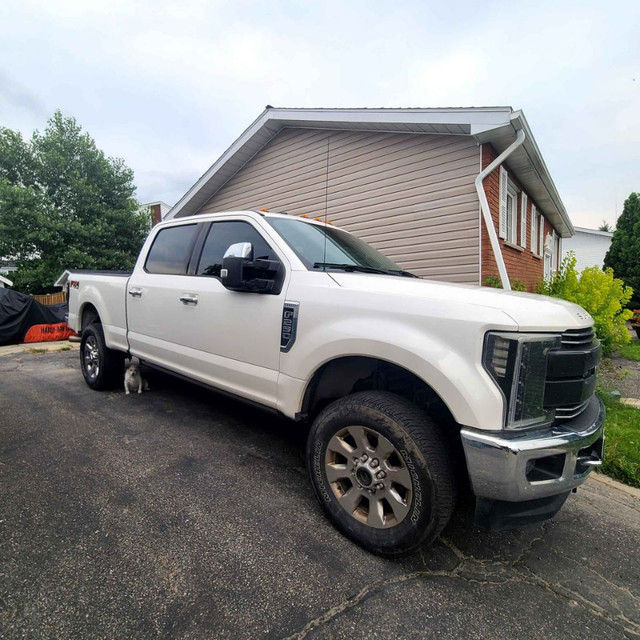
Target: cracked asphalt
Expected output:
[181,514]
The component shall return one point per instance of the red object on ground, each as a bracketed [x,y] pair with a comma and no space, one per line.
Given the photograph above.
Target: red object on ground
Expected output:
[48,332]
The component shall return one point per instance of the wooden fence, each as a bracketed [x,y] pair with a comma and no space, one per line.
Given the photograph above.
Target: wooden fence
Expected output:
[51,298]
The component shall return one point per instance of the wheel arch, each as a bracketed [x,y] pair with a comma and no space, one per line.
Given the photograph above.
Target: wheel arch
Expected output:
[88,315]
[344,375]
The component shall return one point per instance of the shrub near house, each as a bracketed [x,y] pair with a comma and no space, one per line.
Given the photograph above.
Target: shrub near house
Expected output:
[600,293]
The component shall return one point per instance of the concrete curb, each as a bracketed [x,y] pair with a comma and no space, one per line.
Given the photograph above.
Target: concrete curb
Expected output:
[614,484]
[49,347]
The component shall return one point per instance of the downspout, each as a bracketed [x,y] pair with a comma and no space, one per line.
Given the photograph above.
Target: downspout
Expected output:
[486,214]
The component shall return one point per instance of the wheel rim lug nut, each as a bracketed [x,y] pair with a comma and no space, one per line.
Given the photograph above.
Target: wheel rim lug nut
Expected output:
[380,475]
[365,457]
[374,463]
[379,485]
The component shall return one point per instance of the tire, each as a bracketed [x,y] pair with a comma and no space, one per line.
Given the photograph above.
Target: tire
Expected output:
[357,437]
[102,367]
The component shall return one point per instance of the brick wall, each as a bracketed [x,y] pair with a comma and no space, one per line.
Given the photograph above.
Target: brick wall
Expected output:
[521,263]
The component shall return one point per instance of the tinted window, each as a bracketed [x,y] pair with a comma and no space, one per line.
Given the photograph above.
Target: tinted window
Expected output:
[171,250]
[221,236]
[315,243]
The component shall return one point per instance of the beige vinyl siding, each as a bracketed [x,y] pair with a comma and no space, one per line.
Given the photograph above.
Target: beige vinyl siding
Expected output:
[411,196]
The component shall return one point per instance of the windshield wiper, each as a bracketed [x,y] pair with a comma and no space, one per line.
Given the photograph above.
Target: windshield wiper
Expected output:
[362,269]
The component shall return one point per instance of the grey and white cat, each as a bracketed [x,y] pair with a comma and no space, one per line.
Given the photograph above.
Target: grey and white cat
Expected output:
[133,380]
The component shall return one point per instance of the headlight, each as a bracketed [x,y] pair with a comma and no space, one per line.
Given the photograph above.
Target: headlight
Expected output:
[517,363]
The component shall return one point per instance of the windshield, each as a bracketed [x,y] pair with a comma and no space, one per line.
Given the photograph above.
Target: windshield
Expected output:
[321,247]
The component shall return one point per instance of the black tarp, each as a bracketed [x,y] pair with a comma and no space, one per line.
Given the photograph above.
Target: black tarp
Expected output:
[19,312]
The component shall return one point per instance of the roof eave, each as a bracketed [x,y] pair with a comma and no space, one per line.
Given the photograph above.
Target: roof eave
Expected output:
[498,125]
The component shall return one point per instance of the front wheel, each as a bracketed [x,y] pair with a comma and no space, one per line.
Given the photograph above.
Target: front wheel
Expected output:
[102,367]
[382,472]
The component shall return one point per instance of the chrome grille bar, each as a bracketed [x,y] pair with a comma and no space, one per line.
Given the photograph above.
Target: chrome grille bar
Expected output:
[578,337]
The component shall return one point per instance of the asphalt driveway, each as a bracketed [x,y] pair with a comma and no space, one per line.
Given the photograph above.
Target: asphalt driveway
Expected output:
[180,514]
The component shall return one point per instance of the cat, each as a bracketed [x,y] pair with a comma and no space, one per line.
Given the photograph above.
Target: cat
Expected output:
[133,380]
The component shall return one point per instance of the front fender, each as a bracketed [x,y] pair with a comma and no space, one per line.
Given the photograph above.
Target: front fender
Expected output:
[452,368]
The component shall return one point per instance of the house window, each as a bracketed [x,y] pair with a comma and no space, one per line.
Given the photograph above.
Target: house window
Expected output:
[547,265]
[508,216]
[534,231]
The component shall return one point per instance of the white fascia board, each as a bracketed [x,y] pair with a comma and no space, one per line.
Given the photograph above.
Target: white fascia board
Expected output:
[595,232]
[473,116]
[7,282]
[531,147]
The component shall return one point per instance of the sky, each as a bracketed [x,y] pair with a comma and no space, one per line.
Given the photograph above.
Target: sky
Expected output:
[168,86]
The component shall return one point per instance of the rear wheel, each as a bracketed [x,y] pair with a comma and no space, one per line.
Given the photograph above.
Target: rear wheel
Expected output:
[102,367]
[382,472]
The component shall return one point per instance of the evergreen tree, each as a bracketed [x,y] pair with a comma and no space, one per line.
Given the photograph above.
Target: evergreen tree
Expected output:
[65,205]
[624,253]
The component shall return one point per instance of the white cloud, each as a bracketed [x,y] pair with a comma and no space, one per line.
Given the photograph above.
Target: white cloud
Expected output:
[168,86]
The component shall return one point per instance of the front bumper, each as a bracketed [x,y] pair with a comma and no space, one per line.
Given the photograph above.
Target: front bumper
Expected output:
[522,466]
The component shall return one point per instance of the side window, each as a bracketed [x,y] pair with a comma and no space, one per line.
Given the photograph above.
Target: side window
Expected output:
[221,236]
[171,250]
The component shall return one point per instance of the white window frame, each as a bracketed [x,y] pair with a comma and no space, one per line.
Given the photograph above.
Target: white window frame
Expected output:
[523,219]
[534,231]
[512,216]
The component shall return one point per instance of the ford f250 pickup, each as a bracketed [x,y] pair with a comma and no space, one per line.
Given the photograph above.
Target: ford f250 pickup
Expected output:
[414,389]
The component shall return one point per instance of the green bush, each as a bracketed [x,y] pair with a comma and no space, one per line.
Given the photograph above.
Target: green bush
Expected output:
[496,283]
[597,291]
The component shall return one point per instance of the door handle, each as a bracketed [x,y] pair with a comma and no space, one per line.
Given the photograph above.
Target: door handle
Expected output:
[135,292]
[189,299]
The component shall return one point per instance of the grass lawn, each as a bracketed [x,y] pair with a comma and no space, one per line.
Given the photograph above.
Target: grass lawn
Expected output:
[622,444]
[631,351]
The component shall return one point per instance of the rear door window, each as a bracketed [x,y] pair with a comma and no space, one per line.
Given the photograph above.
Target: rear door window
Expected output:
[171,250]
[221,236]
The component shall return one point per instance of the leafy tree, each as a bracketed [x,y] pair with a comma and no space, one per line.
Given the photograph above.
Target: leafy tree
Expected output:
[597,291]
[624,253]
[65,205]
[605,226]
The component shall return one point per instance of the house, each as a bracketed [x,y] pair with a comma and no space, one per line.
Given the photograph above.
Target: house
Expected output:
[455,194]
[590,247]
[7,267]
[5,282]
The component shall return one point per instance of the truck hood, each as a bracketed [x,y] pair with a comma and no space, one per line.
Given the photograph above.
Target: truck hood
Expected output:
[529,311]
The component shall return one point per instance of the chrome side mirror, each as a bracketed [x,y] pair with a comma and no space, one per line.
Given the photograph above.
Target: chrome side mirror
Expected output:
[240,250]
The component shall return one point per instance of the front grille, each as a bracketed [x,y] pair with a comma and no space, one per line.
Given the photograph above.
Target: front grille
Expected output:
[577,338]
[571,373]
[566,413]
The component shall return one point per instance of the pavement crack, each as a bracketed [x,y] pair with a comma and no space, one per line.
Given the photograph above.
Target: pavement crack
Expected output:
[363,594]
[619,621]
[464,570]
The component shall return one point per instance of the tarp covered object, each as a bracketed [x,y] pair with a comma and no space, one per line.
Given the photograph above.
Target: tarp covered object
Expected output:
[22,319]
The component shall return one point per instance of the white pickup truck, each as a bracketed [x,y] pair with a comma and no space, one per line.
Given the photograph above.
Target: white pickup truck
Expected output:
[414,389]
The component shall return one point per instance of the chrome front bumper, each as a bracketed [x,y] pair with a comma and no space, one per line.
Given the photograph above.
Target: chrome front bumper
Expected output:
[515,467]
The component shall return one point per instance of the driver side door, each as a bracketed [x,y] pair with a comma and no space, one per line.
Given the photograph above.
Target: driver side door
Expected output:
[231,338]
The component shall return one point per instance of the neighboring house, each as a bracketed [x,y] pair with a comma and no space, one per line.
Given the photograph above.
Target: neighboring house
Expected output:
[590,247]
[7,267]
[404,180]
[158,211]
